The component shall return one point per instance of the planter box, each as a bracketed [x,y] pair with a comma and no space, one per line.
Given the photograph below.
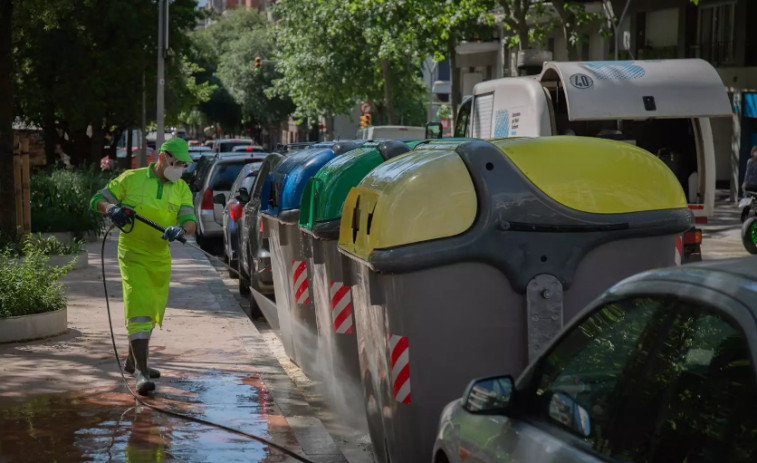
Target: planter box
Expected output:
[81,262]
[36,326]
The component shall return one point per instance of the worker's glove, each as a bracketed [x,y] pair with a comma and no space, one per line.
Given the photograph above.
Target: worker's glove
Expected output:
[174,232]
[121,216]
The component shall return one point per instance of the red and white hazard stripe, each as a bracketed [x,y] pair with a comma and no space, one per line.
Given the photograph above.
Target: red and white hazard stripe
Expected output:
[400,364]
[300,281]
[679,249]
[341,307]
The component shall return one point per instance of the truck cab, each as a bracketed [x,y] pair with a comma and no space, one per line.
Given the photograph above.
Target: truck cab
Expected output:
[663,106]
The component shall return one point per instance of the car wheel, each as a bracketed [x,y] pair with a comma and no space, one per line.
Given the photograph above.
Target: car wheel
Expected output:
[749,235]
[254,307]
[232,267]
[244,282]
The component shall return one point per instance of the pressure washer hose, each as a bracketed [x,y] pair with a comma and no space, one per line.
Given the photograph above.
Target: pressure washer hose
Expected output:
[164,410]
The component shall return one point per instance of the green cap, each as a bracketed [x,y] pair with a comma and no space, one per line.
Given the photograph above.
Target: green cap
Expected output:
[178,148]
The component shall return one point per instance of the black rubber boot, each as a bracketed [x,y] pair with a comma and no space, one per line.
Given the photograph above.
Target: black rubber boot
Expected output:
[129,366]
[139,348]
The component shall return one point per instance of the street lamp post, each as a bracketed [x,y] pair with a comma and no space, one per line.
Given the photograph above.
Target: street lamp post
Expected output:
[162,49]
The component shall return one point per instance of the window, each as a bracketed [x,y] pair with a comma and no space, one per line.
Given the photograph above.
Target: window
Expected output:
[463,118]
[659,380]
[716,26]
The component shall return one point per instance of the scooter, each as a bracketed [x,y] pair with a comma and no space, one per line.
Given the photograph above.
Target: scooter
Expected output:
[749,222]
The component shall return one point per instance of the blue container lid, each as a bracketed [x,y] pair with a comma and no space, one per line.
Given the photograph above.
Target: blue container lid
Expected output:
[284,186]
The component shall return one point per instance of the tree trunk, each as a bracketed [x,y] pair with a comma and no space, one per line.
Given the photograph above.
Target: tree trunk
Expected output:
[51,137]
[454,93]
[572,50]
[129,152]
[80,142]
[386,71]
[7,194]
[96,144]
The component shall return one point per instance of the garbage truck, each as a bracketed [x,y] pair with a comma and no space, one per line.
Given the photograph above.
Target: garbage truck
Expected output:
[663,106]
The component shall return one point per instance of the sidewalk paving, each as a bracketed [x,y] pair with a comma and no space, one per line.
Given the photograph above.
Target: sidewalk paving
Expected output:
[63,399]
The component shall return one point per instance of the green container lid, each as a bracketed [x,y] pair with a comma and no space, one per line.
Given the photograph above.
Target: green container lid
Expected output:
[325,193]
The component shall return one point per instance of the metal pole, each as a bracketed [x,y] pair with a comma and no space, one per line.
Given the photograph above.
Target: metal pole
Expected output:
[143,139]
[162,16]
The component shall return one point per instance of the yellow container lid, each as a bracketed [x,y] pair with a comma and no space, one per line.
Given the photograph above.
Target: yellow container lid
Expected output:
[595,175]
[420,196]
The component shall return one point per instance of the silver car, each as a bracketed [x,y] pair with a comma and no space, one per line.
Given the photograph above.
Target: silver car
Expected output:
[659,369]
[211,196]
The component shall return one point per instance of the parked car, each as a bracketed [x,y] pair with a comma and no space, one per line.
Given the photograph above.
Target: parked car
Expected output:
[215,179]
[254,253]
[197,151]
[659,369]
[289,147]
[248,149]
[232,213]
[226,144]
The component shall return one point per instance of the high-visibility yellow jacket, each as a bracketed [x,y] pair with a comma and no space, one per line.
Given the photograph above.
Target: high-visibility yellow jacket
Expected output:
[143,257]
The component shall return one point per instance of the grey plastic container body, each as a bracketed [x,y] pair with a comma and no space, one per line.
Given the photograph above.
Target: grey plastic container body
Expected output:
[292,282]
[273,232]
[337,334]
[460,321]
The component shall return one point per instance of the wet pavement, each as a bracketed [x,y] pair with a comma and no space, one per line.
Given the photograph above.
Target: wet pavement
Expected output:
[110,426]
[63,399]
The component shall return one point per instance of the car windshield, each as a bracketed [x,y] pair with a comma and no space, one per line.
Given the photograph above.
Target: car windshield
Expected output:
[224,175]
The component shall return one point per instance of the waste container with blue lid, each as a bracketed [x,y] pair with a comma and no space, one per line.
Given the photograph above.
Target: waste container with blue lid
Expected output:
[467,259]
[281,195]
[320,217]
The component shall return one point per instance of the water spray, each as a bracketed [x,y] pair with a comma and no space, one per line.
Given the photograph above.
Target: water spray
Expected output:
[127,229]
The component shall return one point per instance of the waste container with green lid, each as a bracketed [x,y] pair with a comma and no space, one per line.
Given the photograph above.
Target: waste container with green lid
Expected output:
[320,216]
[281,195]
[467,259]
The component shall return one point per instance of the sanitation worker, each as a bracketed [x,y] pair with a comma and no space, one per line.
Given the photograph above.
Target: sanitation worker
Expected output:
[155,192]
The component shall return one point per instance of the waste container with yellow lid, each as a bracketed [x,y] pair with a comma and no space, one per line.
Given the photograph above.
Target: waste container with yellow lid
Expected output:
[320,217]
[467,260]
[280,196]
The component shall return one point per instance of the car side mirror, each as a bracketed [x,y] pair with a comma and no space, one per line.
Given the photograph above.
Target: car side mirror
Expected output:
[219,199]
[434,130]
[243,195]
[489,396]
[564,410]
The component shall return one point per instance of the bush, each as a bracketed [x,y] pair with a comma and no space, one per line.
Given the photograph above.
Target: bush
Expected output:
[28,285]
[49,246]
[60,200]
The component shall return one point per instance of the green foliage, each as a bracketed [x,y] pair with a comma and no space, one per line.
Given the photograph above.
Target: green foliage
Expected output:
[60,199]
[28,285]
[81,62]
[333,54]
[48,246]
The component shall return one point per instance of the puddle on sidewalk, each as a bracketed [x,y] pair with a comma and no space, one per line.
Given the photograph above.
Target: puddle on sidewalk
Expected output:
[107,426]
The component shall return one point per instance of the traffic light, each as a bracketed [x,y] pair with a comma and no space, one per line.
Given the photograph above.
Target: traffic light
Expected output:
[258,64]
[368,120]
[363,120]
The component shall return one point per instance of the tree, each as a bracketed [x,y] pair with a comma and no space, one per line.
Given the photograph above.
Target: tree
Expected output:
[230,47]
[80,65]
[7,193]
[333,54]
[445,24]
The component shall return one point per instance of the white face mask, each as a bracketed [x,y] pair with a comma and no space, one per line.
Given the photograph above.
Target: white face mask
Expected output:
[173,173]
